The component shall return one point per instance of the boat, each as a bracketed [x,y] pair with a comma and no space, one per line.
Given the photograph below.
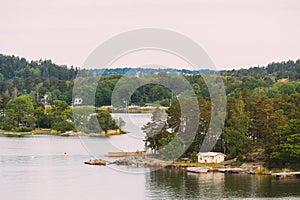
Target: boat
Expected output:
[95,162]
[198,169]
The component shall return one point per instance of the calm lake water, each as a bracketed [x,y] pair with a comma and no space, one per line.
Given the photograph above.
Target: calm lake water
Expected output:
[35,167]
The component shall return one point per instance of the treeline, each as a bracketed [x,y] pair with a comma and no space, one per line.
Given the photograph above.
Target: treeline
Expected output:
[286,69]
[235,82]
[142,72]
[40,78]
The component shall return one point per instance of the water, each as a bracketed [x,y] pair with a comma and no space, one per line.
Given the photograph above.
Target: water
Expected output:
[35,167]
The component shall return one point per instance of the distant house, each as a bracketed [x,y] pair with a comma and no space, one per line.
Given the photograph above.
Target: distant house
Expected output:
[211,157]
[283,80]
[45,99]
[78,101]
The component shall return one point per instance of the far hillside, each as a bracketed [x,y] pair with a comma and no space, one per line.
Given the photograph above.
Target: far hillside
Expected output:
[19,76]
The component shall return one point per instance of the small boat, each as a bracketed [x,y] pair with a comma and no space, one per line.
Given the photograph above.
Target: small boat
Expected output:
[95,162]
[198,169]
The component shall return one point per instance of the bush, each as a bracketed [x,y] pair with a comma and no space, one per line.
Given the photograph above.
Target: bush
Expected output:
[194,156]
[23,129]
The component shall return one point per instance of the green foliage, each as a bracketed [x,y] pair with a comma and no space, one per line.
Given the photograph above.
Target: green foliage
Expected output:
[36,78]
[155,130]
[283,88]
[85,120]
[40,116]
[286,151]
[120,122]
[60,116]
[19,112]
[23,129]
[194,156]
[172,147]
[89,122]
[106,121]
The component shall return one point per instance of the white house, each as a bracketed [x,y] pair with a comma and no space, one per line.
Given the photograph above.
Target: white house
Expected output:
[78,101]
[211,157]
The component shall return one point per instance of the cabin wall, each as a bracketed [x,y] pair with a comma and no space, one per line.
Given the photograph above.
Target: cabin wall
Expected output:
[211,159]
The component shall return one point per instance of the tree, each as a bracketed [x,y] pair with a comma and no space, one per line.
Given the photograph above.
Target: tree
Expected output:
[40,116]
[84,119]
[155,130]
[236,129]
[171,147]
[194,156]
[261,110]
[120,122]
[61,116]
[106,121]
[286,151]
[159,92]
[89,122]
[19,112]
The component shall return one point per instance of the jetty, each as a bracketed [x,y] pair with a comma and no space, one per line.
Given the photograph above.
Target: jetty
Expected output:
[198,169]
[286,175]
[125,153]
[232,170]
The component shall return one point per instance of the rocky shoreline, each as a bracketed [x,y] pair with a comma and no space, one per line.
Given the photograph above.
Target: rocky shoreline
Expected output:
[245,168]
[142,162]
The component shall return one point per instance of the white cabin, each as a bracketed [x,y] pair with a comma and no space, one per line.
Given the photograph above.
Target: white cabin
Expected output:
[78,101]
[211,157]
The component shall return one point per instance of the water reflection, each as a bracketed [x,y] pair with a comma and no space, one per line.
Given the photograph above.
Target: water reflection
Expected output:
[208,185]
[260,186]
[178,184]
[172,184]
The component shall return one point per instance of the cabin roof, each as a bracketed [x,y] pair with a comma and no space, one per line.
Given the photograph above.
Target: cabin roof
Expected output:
[210,154]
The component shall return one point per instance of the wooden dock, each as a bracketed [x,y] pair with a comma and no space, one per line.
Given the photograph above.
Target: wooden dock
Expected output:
[198,169]
[286,174]
[125,153]
[232,170]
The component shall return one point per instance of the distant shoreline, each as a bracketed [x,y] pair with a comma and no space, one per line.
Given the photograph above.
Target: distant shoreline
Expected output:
[55,133]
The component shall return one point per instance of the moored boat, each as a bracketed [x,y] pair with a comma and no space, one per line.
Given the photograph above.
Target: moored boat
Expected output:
[95,162]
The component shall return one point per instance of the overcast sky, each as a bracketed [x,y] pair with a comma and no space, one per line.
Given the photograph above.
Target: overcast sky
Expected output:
[234,33]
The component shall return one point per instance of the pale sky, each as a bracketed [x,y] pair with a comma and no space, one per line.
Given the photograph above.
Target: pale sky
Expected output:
[234,33]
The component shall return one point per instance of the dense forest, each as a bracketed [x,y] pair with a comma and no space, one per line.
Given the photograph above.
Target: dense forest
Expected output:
[262,118]
[140,72]
[35,78]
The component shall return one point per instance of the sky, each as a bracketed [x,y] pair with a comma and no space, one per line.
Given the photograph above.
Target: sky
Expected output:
[234,33]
